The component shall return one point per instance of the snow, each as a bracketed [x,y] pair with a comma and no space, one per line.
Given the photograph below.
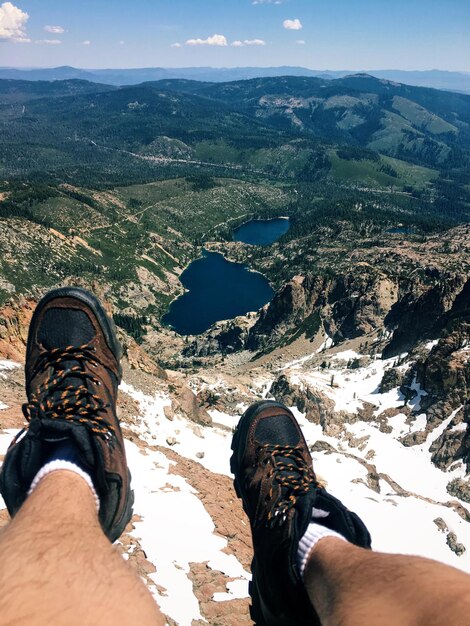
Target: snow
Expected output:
[9,365]
[346,355]
[236,588]
[297,363]
[175,531]
[5,439]
[398,524]
[349,389]
[191,439]
[328,343]
[229,421]
[6,366]
[415,403]
[460,427]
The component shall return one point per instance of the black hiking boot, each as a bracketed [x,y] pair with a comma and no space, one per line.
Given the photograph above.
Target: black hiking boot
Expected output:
[275,480]
[72,375]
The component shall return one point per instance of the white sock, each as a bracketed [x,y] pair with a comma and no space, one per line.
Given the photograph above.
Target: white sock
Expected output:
[60,464]
[311,537]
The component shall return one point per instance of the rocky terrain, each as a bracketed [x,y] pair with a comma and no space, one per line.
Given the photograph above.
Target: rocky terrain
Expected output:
[379,380]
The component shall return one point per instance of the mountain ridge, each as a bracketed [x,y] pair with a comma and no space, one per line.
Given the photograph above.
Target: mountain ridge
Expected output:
[438,79]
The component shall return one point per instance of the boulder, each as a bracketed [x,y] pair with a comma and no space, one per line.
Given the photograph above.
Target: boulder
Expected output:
[391,379]
[317,407]
[459,488]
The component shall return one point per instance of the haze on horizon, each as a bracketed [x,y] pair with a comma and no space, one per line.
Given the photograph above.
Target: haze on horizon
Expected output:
[335,35]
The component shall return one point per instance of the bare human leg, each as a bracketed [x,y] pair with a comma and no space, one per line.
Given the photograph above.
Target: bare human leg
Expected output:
[57,567]
[304,572]
[350,586]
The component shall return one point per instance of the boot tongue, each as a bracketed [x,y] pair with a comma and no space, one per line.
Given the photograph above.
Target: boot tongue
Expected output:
[60,328]
[277,430]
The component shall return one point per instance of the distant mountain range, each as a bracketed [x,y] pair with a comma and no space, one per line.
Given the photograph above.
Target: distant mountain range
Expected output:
[437,79]
[287,125]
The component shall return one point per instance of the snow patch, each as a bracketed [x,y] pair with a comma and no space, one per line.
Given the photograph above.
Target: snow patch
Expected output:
[7,366]
[205,445]
[175,531]
[328,343]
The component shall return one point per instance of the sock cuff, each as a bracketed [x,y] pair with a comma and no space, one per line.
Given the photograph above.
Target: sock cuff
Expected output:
[60,464]
[312,536]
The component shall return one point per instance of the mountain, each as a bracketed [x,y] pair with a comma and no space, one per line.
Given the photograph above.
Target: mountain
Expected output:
[367,338]
[437,79]
[19,91]
[241,124]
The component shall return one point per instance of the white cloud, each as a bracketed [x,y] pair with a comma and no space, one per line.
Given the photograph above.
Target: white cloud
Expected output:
[215,40]
[267,1]
[87,42]
[254,42]
[175,45]
[57,30]
[292,24]
[49,42]
[248,42]
[13,23]
[301,42]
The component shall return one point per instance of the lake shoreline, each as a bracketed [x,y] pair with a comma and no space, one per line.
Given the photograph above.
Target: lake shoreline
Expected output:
[216,288]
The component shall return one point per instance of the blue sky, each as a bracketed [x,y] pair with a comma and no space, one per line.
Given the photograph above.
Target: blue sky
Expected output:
[319,34]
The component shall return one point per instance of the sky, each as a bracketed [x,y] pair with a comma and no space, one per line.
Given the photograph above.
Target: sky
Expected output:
[317,34]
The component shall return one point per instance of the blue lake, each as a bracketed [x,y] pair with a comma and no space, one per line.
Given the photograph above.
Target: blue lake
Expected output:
[401,230]
[261,232]
[218,290]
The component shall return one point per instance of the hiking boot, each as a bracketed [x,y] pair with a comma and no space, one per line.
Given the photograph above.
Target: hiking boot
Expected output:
[275,480]
[72,375]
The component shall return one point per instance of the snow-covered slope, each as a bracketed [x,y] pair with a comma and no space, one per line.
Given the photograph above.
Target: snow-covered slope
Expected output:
[188,519]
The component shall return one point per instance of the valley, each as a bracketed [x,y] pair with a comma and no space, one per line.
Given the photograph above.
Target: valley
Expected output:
[364,327]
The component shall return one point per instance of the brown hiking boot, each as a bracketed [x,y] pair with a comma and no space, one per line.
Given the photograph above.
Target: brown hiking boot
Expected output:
[72,375]
[275,480]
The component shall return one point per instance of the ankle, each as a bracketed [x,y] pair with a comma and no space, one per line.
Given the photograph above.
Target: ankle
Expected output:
[314,533]
[326,550]
[67,472]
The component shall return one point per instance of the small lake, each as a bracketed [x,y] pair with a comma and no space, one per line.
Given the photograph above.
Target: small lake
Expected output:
[217,290]
[401,230]
[261,232]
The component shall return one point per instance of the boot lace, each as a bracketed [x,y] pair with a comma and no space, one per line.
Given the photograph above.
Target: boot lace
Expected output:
[294,476]
[57,399]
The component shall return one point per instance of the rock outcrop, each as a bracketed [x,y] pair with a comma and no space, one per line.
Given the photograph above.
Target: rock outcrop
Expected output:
[454,443]
[425,310]
[185,402]
[14,325]
[347,305]
[223,337]
[402,311]
[317,407]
